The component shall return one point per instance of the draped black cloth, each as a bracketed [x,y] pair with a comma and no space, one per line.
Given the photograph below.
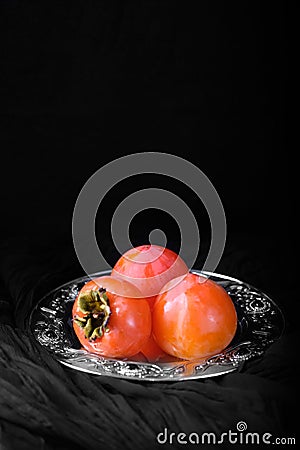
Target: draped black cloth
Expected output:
[44,405]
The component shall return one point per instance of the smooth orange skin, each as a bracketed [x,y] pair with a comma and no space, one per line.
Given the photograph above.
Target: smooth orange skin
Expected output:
[149,268]
[129,323]
[195,318]
[152,351]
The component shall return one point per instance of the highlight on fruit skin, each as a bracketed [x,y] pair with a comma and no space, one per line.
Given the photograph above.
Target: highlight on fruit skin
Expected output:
[194,318]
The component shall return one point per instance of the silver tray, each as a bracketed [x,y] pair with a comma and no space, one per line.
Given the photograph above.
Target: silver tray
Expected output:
[260,323]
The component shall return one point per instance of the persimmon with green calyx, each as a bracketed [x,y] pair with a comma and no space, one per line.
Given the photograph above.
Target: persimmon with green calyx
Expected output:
[194,318]
[111,318]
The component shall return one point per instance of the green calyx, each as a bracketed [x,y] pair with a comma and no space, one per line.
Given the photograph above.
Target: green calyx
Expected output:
[95,307]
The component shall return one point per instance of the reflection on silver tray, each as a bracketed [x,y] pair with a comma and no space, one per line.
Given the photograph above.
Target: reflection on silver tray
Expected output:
[260,323]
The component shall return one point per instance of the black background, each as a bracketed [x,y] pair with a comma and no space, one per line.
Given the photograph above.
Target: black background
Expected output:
[83,83]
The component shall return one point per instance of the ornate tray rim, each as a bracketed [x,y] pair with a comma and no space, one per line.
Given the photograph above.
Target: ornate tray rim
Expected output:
[231,359]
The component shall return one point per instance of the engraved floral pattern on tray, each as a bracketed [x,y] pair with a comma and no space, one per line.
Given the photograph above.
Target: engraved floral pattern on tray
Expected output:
[260,323]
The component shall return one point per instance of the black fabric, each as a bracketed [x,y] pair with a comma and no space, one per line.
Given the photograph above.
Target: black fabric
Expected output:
[45,405]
